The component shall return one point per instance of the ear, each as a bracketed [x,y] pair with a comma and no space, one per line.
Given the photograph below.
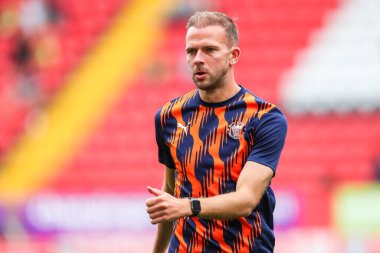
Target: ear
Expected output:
[234,55]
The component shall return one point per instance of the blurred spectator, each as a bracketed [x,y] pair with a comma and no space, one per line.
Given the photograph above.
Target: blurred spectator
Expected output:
[26,88]
[8,19]
[46,48]
[39,20]
[36,45]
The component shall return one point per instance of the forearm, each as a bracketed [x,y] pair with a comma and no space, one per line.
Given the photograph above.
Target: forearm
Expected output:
[163,235]
[227,206]
[250,188]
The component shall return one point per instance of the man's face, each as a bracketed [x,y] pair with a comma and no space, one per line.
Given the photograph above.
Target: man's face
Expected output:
[208,56]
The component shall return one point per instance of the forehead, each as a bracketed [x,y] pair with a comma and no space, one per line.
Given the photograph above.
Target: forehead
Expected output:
[209,35]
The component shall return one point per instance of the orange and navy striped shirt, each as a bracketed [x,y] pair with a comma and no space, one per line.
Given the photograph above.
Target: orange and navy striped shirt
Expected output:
[208,144]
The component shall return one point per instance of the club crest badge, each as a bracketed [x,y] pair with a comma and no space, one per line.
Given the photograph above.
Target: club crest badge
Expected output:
[235,130]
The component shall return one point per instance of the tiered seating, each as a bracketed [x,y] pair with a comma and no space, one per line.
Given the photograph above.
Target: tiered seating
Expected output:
[323,152]
[82,23]
[331,76]
[271,34]
[335,145]
[80,26]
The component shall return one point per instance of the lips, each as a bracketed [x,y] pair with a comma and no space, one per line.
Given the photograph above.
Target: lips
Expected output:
[200,74]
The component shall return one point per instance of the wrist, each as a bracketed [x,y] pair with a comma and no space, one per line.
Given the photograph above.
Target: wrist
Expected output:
[187,207]
[195,206]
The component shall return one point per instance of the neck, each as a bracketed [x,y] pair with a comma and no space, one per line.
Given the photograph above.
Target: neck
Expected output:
[224,89]
[219,94]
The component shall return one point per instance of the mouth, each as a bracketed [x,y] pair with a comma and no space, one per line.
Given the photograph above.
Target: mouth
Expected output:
[200,74]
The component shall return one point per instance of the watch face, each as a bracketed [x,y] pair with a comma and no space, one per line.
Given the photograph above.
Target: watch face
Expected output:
[195,205]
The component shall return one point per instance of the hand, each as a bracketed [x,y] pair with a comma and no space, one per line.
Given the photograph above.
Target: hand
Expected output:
[164,207]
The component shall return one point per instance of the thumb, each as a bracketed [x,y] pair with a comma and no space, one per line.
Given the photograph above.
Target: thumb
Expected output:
[154,191]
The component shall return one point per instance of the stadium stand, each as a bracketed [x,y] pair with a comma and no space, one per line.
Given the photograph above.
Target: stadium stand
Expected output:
[57,44]
[340,66]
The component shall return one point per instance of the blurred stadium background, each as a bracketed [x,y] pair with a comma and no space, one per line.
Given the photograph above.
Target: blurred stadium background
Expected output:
[80,81]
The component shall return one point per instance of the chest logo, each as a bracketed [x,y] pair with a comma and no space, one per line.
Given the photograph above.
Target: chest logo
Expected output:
[235,130]
[183,127]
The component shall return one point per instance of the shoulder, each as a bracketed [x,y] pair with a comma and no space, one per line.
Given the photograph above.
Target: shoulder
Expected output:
[262,106]
[175,105]
[266,113]
[271,119]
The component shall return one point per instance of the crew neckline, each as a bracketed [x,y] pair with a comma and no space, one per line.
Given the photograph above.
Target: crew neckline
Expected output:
[222,103]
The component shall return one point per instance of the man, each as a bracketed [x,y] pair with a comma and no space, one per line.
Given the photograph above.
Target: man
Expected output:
[220,145]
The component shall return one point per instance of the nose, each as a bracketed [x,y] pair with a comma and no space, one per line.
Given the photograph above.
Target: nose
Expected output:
[198,58]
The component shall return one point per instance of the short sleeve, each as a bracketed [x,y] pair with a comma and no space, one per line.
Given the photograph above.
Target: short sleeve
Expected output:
[164,155]
[269,139]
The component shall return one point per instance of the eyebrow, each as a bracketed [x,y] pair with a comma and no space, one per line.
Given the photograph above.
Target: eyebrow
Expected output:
[206,46]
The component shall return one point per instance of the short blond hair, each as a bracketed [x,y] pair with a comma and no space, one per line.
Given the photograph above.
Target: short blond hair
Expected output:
[202,19]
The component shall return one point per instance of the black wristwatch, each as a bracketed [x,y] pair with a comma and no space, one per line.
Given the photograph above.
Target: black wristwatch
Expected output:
[195,207]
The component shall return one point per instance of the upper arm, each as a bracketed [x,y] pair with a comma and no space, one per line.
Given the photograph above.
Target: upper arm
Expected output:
[169,180]
[269,140]
[164,155]
[253,181]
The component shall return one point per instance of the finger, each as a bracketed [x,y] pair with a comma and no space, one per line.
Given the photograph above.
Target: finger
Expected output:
[154,208]
[160,219]
[157,220]
[154,221]
[156,215]
[160,215]
[154,191]
[152,201]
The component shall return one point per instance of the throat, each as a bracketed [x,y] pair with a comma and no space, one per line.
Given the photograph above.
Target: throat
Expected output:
[219,95]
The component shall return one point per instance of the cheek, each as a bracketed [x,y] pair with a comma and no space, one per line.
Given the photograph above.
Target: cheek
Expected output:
[221,63]
[189,61]
[189,65]
[221,60]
